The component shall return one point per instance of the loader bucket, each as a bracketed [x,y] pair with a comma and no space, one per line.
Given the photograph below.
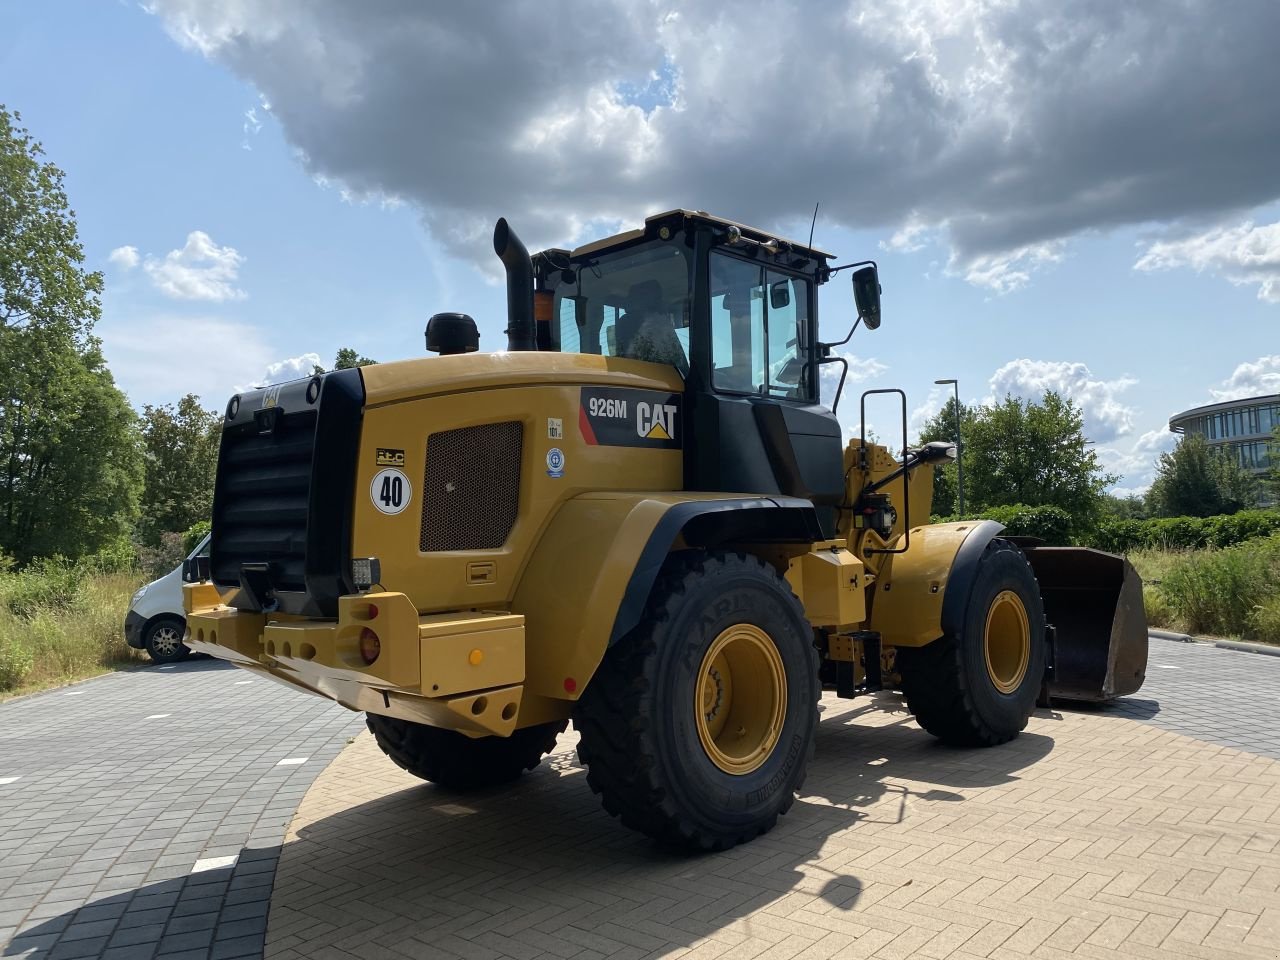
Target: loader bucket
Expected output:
[1094,600]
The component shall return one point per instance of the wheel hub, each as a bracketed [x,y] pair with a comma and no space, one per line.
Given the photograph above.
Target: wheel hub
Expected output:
[166,640]
[741,699]
[1006,641]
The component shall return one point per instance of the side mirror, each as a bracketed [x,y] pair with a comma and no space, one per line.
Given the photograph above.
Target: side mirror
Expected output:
[779,295]
[866,296]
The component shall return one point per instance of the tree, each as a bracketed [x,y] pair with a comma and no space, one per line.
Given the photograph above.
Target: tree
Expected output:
[70,463]
[181,449]
[345,360]
[1196,480]
[348,358]
[942,426]
[41,282]
[1022,452]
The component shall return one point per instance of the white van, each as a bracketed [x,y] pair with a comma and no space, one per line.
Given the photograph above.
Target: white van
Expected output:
[156,621]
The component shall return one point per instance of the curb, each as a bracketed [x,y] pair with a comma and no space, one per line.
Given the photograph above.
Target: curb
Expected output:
[1170,635]
[1265,649]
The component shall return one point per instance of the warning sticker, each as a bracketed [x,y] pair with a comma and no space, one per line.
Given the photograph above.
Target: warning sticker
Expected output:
[622,417]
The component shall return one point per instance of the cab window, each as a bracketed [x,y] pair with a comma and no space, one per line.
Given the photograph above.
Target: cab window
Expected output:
[632,304]
[759,330]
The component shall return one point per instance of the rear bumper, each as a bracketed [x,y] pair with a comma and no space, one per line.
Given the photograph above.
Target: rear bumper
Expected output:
[133,624]
[463,671]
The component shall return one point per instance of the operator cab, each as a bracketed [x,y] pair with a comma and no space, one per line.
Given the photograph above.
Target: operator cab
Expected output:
[734,310]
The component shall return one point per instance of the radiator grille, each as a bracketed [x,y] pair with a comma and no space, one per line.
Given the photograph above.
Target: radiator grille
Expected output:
[261,515]
[471,491]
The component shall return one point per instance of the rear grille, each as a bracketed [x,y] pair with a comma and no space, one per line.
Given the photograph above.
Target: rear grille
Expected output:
[471,491]
[261,515]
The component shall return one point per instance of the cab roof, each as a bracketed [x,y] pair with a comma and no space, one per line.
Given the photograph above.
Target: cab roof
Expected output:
[696,215]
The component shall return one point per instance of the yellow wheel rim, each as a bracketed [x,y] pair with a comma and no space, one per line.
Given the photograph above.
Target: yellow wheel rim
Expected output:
[740,699]
[1006,641]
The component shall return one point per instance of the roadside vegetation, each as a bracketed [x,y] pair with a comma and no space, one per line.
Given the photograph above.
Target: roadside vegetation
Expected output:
[1228,592]
[61,622]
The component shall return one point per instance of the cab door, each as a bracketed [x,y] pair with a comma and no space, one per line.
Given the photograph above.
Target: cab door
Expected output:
[758,426]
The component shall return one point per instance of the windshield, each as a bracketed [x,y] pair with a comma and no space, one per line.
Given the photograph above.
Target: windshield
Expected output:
[633,304]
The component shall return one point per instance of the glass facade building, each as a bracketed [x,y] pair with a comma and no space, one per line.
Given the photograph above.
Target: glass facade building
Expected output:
[1241,428]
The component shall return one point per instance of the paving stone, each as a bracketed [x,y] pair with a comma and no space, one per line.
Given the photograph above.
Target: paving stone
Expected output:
[1098,833]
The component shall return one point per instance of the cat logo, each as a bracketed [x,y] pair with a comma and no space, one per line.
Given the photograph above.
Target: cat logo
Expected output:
[271,397]
[656,421]
[627,417]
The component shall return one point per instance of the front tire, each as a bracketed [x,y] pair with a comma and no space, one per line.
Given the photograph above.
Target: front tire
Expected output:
[978,689]
[698,726]
[456,761]
[163,640]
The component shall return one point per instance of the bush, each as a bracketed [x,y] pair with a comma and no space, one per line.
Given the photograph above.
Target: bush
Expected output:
[192,538]
[1227,592]
[159,560]
[1184,533]
[1053,525]
[44,583]
[60,622]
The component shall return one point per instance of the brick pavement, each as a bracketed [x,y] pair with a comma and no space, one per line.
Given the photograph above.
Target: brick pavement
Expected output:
[1094,835]
[105,815]
[1222,696]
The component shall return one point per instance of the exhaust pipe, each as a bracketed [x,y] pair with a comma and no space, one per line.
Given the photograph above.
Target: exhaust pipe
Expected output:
[521,333]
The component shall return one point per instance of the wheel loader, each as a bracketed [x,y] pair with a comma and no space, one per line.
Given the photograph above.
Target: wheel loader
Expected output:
[637,517]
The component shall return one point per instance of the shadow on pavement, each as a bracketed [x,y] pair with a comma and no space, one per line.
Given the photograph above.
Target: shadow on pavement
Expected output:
[1137,708]
[216,913]
[500,867]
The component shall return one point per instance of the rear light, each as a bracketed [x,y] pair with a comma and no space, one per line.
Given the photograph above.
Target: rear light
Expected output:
[370,646]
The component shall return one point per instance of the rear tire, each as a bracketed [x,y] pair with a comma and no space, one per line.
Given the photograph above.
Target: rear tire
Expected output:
[979,689]
[459,762]
[162,640]
[698,725]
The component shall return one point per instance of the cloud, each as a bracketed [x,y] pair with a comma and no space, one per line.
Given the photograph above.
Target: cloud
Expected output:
[201,270]
[145,351]
[1244,254]
[1255,379]
[1137,464]
[1003,128]
[126,258]
[282,371]
[1105,416]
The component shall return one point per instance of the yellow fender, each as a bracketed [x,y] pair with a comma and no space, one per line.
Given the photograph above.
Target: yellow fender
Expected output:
[589,577]
[923,594]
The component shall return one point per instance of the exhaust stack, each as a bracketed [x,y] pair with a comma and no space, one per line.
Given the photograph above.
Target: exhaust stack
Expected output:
[521,333]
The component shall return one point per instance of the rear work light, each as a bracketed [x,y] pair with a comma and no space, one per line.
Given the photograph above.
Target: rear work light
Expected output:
[370,646]
[365,572]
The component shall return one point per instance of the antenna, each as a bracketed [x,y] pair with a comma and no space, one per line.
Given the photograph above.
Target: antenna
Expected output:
[812,225]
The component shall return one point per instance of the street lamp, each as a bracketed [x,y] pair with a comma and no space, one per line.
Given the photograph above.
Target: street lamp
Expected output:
[959,446]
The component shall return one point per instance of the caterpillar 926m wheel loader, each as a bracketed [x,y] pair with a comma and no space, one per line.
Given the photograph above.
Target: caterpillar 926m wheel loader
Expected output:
[637,517]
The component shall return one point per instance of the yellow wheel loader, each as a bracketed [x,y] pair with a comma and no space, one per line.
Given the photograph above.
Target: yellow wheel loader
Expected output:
[637,517]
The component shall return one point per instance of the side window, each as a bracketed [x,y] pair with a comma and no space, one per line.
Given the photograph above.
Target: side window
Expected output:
[737,325]
[570,337]
[759,325]
[787,321]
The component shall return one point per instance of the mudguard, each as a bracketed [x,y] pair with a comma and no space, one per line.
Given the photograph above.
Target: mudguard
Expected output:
[589,578]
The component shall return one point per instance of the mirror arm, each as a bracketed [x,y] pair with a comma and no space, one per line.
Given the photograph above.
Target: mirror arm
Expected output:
[832,271]
[847,337]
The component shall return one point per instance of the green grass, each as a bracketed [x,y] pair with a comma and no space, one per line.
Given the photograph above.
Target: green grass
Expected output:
[1232,592]
[60,623]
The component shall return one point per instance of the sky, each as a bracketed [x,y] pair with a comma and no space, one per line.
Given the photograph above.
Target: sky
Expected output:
[1076,195]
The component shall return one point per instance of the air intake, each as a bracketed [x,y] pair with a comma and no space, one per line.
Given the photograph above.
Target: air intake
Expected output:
[471,491]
